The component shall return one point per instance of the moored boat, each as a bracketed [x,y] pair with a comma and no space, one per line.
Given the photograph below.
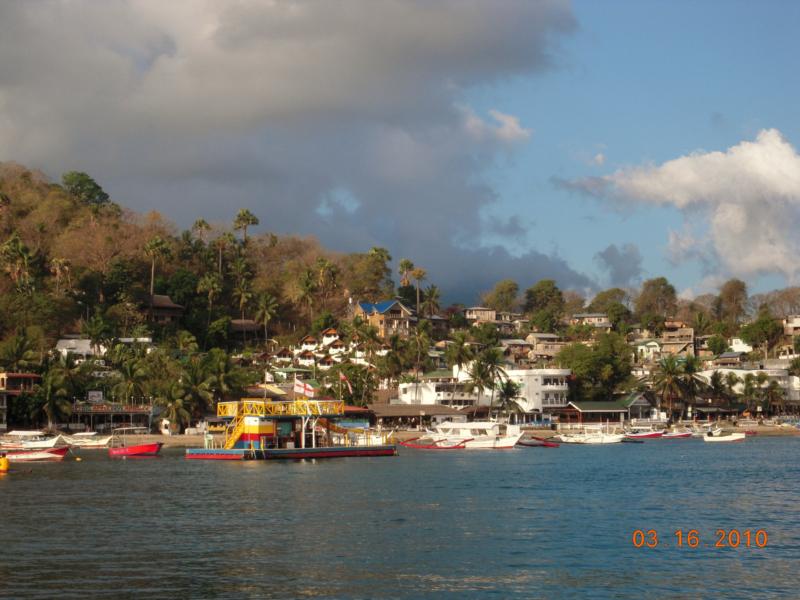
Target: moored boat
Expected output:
[472,435]
[87,440]
[537,442]
[37,455]
[728,437]
[31,440]
[136,450]
[591,438]
[673,435]
[641,434]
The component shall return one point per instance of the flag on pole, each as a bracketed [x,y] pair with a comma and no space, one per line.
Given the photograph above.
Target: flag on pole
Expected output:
[343,377]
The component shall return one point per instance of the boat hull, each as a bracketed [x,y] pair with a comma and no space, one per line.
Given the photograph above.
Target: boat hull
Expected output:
[37,455]
[677,436]
[290,453]
[648,435]
[137,450]
[731,437]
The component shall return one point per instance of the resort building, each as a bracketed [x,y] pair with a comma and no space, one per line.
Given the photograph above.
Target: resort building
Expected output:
[11,386]
[163,310]
[388,317]
[541,390]
[480,314]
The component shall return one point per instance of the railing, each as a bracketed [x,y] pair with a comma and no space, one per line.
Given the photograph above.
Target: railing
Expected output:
[234,432]
[285,408]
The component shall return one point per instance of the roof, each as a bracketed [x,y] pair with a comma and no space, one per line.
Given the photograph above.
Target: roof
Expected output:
[632,398]
[598,407]
[586,315]
[330,331]
[381,307]
[412,410]
[164,301]
[731,355]
[244,325]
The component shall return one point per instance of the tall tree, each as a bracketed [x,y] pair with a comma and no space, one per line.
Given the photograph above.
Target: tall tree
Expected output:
[504,296]
[430,305]
[84,188]
[458,353]
[419,274]
[244,219]
[404,267]
[210,284]
[200,228]
[157,248]
[266,310]
[657,297]
[544,302]
[667,381]
[733,300]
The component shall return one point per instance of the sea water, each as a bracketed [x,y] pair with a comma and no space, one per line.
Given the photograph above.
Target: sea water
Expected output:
[523,523]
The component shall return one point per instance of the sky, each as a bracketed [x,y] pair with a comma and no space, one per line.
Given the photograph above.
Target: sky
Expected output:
[596,143]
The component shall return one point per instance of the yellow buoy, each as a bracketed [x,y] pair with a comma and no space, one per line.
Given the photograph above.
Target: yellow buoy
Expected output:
[78,459]
[3,464]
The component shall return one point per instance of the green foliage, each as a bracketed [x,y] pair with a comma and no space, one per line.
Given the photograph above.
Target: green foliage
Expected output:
[84,188]
[764,331]
[599,369]
[504,296]
[603,300]
[485,334]
[717,344]
[657,298]
[323,321]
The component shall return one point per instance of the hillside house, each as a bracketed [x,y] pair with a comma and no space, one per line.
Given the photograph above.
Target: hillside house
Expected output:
[389,317]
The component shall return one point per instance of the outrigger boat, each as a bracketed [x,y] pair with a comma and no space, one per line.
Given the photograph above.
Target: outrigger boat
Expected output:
[87,440]
[34,455]
[532,441]
[671,435]
[31,440]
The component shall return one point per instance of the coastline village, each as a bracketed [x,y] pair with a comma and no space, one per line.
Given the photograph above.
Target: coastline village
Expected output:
[115,320]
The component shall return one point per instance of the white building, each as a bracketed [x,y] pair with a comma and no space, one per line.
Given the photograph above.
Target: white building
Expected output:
[789,384]
[541,390]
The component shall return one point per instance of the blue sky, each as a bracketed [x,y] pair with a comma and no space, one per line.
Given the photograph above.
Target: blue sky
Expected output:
[643,82]
[596,143]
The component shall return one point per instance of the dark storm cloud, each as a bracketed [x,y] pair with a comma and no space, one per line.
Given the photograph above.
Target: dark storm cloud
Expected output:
[624,265]
[345,120]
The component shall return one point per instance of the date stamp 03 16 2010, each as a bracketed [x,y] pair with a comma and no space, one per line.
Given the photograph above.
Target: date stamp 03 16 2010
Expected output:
[724,538]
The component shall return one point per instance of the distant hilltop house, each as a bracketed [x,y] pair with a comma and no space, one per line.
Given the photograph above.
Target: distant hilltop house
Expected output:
[163,310]
[596,320]
[480,314]
[388,317]
[506,322]
[545,345]
[82,348]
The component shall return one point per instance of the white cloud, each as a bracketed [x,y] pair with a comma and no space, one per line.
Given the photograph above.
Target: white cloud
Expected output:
[506,128]
[599,159]
[745,202]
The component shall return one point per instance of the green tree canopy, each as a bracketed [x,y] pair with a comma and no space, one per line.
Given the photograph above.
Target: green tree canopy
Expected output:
[84,188]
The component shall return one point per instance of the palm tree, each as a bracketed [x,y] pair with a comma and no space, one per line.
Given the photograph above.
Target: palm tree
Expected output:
[201,229]
[211,285]
[774,397]
[156,248]
[17,353]
[244,219]
[507,394]
[221,243]
[750,390]
[667,380]
[491,360]
[457,354]
[327,273]
[419,274]
[17,260]
[224,378]
[716,384]
[185,343]
[51,396]
[405,267]
[266,310]
[731,381]
[197,386]
[306,287]
[691,380]
[177,408]
[432,298]
[133,378]
[97,330]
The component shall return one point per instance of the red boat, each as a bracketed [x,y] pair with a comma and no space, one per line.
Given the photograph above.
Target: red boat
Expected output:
[533,441]
[137,450]
[36,454]
[643,434]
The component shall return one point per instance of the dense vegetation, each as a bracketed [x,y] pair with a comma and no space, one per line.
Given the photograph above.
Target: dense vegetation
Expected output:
[75,262]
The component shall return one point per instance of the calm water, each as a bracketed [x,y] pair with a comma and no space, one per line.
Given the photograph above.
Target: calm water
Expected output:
[529,523]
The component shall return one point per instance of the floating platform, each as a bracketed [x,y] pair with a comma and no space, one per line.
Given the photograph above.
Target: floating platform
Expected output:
[289,453]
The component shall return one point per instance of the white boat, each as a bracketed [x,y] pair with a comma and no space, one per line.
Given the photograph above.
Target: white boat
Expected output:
[87,440]
[486,435]
[43,454]
[672,435]
[591,438]
[728,437]
[31,440]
